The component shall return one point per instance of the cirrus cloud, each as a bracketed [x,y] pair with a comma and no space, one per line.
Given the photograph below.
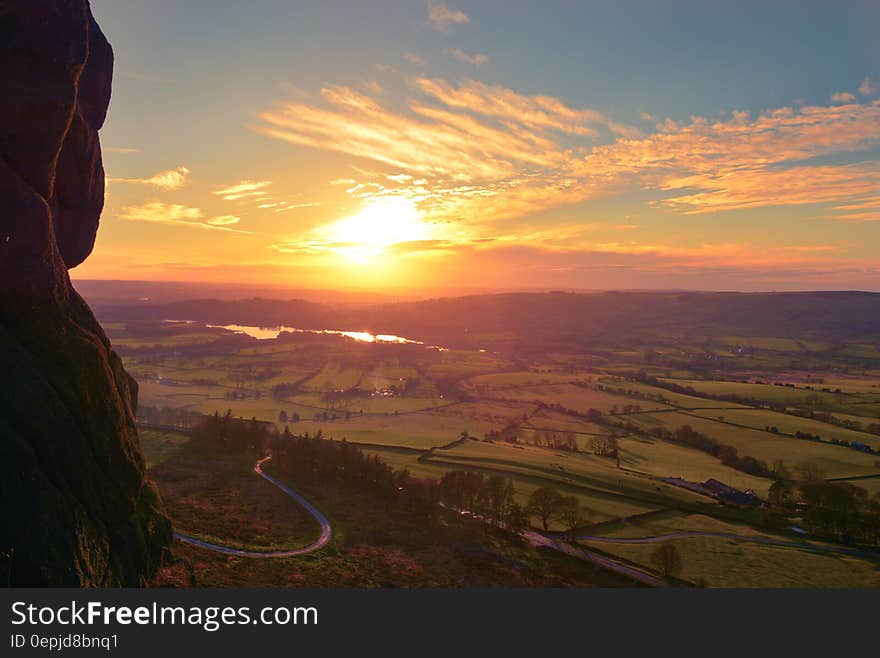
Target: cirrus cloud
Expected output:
[178,215]
[171,179]
[473,152]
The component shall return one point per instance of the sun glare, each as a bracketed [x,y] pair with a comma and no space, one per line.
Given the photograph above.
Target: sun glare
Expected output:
[379,225]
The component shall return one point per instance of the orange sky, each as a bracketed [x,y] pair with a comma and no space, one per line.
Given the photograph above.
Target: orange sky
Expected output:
[424,163]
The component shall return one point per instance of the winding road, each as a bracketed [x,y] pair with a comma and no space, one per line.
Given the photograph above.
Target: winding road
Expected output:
[326,529]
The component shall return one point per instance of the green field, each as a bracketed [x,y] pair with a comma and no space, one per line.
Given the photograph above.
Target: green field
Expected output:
[789,424]
[161,445]
[724,562]
[411,405]
[835,461]
[570,396]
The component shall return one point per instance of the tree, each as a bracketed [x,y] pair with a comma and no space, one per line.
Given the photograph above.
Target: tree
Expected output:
[780,470]
[499,492]
[667,559]
[572,514]
[544,503]
[517,519]
[605,446]
[783,496]
[808,471]
[282,416]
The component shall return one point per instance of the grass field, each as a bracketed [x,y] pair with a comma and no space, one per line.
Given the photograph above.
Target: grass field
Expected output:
[578,398]
[863,404]
[666,459]
[575,470]
[835,461]
[788,424]
[160,445]
[522,378]
[722,562]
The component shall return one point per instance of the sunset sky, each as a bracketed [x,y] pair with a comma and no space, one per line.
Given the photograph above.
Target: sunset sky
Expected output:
[493,144]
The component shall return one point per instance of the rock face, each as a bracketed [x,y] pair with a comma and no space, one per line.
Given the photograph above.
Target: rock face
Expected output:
[75,506]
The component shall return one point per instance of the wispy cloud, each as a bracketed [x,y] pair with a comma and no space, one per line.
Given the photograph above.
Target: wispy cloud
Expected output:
[285,207]
[472,152]
[414,59]
[842,97]
[223,220]
[256,193]
[477,59]
[243,190]
[441,17]
[120,149]
[172,179]
[749,162]
[179,215]
[868,87]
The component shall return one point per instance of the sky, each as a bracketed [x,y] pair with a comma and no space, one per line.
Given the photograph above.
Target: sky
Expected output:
[494,144]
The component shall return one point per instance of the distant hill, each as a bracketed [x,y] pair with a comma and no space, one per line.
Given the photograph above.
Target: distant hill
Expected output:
[261,312]
[548,319]
[611,317]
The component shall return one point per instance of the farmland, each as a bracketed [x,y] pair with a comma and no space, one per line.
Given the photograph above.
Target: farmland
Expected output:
[538,419]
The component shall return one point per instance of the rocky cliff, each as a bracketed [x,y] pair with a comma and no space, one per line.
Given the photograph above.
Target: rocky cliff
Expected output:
[75,506]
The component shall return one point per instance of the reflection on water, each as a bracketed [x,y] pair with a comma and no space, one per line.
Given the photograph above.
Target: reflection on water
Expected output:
[267,333]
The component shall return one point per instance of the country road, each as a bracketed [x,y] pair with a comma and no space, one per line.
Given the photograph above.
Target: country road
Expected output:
[539,539]
[815,548]
[326,529]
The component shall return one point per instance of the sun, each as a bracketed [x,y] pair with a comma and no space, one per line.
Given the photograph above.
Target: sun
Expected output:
[381,224]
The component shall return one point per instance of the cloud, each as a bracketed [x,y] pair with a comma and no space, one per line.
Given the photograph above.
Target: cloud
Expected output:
[750,162]
[414,59]
[842,97]
[766,186]
[172,179]
[538,112]
[372,86]
[223,220]
[441,17]
[120,149]
[477,60]
[178,215]
[295,206]
[243,190]
[868,87]
[473,152]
